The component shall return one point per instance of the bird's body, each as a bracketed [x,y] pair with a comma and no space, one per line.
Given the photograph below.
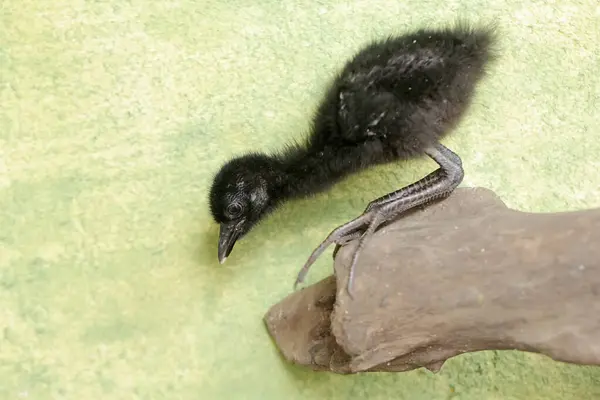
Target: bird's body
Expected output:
[389,102]
[395,99]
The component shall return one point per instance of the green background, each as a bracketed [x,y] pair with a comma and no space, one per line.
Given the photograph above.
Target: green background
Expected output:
[114,116]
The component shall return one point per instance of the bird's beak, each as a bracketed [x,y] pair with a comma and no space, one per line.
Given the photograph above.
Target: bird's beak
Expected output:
[227,237]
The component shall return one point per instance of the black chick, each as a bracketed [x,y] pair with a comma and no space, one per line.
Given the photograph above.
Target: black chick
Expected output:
[394,100]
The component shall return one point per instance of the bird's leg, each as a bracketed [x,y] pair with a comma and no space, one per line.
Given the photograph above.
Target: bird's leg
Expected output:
[421,184]
[436,185]
[412,188]
[428,180]
[450,176]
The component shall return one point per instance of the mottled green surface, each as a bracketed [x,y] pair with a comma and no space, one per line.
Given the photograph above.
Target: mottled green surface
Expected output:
[114,114]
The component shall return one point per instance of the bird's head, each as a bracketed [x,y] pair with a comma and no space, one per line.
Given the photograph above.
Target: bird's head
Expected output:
[240,196]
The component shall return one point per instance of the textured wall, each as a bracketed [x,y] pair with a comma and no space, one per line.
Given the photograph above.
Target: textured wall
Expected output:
[114,115]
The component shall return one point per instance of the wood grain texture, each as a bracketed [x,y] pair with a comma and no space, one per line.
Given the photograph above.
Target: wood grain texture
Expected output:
[465,274]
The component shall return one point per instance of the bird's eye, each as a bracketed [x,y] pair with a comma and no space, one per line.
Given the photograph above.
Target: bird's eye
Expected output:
[234,209]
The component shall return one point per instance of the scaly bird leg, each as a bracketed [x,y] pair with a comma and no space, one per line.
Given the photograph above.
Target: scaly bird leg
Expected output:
[438,184]
[421,184]
[354,229]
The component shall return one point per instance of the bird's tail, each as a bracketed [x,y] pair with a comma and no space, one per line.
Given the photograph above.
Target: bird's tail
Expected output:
[478,43]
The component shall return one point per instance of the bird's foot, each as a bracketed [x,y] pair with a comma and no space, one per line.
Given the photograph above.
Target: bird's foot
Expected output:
[360,228]
[344,241]
[359,231]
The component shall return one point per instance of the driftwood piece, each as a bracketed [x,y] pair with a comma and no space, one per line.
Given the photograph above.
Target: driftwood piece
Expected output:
[462,275]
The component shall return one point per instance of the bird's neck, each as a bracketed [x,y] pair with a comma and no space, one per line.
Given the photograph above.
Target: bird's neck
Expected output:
[306,172]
